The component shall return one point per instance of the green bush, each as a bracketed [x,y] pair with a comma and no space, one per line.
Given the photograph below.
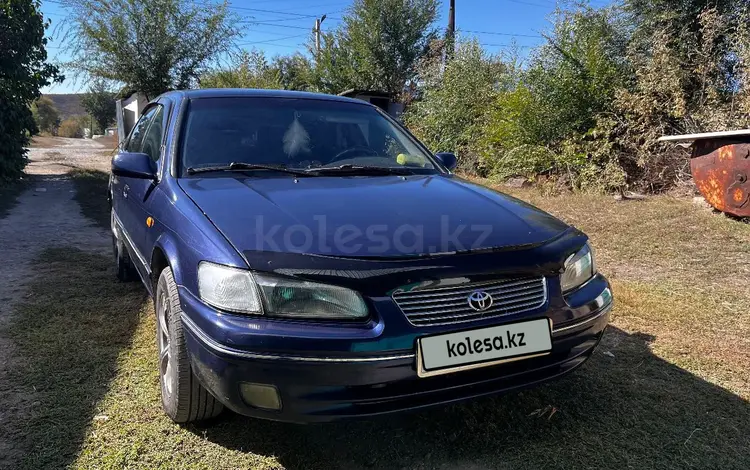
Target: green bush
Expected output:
[454,99]
[16,123]
[525,160]
[516,118]
[70,127]
[23,72]
[547,124]
[540,120]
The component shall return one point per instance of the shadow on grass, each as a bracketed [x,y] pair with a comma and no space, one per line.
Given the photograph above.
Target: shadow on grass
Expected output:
[91,194]
[633,410]
[69,332]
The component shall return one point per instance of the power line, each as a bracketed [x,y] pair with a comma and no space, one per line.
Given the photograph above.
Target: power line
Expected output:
[271,40]
[256,2]
[250,22]
[530,3]
[549,3]
[502,34]
[337,4]
[259,31]
[274,25]
[259,10]
[277,12]
[505,45]
[280,20]
[271,22]
[286,10]
[283,45]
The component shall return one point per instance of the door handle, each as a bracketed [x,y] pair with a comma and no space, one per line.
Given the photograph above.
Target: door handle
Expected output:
[125,191]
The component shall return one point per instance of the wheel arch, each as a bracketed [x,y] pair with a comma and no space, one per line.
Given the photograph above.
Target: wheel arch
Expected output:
[163,255]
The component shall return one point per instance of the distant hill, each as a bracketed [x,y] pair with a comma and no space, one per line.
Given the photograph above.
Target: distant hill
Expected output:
[68,104]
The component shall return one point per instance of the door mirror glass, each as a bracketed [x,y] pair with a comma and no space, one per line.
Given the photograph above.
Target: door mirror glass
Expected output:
[133,165]
[448,159]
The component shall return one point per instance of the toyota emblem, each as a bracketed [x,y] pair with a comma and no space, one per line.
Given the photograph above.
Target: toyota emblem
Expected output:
[480,300]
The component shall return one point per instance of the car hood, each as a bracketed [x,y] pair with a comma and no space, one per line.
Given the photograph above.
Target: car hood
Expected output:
[364,217]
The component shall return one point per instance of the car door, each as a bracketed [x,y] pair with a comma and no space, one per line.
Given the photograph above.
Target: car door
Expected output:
[142,192]
[127,191]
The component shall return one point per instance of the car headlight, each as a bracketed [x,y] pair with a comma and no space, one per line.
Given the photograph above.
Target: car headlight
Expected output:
[292,298]
[579,268]
[228,288]
[238,290]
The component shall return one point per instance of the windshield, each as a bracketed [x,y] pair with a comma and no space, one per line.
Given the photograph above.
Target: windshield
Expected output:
[295,133]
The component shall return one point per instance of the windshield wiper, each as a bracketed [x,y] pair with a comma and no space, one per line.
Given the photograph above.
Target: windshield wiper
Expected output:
[240,166]
[350,169]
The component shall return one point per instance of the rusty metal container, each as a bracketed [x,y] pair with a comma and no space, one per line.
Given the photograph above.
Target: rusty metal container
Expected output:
[720,164]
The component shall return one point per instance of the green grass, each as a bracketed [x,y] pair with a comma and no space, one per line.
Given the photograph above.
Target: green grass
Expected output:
[70,331]
[91,194]
[668,387]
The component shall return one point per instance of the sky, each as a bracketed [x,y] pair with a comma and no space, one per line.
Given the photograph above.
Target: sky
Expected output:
[283,26]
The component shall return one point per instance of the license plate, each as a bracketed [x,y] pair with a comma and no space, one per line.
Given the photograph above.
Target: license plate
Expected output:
[451,352]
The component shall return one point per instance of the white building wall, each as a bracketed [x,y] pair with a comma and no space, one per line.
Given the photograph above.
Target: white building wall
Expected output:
[128,112]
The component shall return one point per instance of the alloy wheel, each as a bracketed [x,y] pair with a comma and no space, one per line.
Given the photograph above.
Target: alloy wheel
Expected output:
[165,358]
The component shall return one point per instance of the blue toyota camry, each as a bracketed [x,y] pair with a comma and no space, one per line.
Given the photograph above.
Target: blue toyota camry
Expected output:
[310,260]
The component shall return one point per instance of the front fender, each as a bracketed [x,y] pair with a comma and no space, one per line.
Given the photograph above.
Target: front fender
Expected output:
[167,245]
[185,236]
[183,257]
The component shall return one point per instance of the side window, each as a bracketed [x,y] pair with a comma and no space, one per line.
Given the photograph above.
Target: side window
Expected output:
[139,131]
[153,137]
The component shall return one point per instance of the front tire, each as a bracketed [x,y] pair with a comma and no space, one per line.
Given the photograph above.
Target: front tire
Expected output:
[183,398]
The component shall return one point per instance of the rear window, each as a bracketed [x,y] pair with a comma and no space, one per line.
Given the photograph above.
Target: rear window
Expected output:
[295,133]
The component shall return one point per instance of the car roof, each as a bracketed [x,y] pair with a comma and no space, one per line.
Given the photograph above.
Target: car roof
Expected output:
[252,92]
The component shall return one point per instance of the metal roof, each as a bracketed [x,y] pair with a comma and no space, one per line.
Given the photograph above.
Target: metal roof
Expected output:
[703,136]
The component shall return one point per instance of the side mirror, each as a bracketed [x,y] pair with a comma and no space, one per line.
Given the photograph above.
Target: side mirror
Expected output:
[448,159]
[133,165]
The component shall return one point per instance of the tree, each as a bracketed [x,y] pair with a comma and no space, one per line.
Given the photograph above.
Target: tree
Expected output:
[294,71]
[253,70]
[250,70]
[574,76]
[45,114]
[378,45]
[99,102]
[454,97]
[23,72]
[152,46]
[335,67]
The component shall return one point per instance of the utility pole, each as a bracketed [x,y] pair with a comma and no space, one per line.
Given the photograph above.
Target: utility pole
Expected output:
[450,39]
[316,31]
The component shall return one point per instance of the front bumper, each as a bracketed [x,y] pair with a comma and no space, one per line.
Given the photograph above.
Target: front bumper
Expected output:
[334,386]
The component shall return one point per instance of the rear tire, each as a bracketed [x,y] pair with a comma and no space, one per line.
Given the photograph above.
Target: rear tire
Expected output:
[124,266]
[183,397]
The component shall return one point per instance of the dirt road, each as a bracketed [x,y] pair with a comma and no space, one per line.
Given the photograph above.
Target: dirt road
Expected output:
[58,155]
[46,215]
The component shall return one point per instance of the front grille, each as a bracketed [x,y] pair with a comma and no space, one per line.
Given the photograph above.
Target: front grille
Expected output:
[449,305]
